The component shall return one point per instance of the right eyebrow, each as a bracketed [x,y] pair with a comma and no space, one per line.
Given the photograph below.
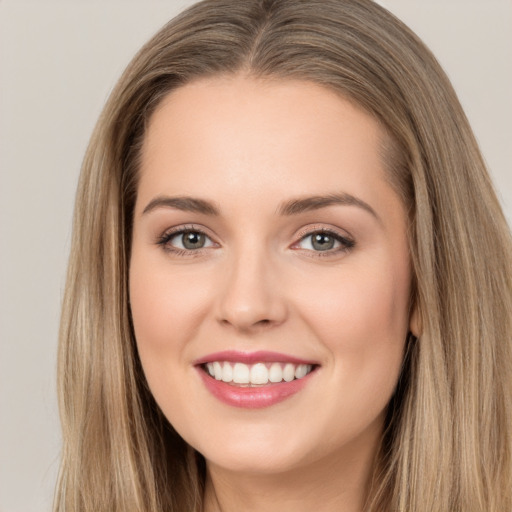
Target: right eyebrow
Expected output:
[187,204]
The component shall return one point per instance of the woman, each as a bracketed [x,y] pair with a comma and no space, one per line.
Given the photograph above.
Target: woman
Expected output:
[290,277]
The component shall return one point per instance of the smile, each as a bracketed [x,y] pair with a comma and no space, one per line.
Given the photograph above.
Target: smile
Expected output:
[254,380]
[259,374]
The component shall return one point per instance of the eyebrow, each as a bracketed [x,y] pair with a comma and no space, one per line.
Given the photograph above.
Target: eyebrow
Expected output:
[187,204]
[310,203]
[291,207]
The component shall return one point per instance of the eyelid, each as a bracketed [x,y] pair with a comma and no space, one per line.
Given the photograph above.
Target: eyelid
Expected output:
[164,239]
[315,228]
[346,240]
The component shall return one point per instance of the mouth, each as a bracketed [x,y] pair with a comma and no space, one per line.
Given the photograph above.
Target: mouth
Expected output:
[254,380]
[258,374]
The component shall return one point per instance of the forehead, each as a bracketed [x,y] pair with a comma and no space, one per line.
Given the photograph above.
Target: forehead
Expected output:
[260,138]
[254,103]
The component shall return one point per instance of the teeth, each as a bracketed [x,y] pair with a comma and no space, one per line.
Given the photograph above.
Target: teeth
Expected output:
[257,374]
[217,370]
[240,373]
[275,373]
[227,372]
[301,371]
[289,372]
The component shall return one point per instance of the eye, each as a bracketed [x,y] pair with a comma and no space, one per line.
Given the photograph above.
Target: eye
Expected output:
[185,240]
[324,241]
[189,240]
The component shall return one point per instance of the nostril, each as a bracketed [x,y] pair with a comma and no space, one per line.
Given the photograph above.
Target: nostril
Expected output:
[247,325]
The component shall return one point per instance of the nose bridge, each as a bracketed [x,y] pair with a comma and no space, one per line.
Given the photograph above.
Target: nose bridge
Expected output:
[250,293]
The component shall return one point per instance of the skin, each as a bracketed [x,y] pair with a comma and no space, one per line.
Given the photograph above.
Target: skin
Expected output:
[247,146]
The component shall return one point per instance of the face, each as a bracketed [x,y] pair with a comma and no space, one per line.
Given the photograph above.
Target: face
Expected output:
[270,274]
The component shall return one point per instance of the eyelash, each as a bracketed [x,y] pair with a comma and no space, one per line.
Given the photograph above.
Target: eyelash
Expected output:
[346,244]
[165,239]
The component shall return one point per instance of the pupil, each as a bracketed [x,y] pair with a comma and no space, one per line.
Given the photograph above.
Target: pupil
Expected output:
[193,240]
[323,242]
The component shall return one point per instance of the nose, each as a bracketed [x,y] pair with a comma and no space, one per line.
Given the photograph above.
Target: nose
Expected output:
[250,297]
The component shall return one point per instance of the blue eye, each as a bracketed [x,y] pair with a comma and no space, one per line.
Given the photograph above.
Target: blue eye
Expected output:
[323,241]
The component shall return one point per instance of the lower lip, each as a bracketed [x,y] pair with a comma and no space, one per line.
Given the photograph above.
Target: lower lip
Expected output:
[252,397]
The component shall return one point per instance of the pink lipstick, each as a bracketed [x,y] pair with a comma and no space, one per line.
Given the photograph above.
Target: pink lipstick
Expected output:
[254,379]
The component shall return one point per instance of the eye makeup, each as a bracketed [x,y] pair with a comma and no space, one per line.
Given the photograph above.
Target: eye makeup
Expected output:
[192,240]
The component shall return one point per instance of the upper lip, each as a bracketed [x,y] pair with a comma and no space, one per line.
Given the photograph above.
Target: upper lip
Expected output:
[261,356]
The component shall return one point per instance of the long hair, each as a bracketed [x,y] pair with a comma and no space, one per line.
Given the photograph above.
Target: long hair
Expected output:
[447,444]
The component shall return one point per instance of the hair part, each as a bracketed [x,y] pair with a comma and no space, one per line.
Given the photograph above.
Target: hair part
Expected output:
[448,438]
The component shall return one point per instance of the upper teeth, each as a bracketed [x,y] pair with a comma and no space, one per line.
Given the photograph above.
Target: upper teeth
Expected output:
[259,373]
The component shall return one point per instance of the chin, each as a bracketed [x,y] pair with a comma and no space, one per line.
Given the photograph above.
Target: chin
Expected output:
[257,459]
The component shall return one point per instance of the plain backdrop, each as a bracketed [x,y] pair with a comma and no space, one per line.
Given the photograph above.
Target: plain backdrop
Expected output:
[58,62]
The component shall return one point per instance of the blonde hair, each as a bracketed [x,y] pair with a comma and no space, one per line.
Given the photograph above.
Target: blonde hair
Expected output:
[448,439]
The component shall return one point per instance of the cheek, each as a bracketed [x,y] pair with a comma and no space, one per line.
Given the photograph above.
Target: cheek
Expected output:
[165,306]
[372,300]
[167,309]
[362,319]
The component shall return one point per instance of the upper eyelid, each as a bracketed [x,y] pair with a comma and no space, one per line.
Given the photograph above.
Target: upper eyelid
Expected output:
[300,234]
[347,242]
[311,229]
[163,241]
[183,228]
[169,233]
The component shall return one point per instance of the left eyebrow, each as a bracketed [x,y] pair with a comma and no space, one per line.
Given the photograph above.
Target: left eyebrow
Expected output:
[306,204]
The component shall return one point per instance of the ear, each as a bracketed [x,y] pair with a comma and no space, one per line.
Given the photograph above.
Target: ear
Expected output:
[415,326]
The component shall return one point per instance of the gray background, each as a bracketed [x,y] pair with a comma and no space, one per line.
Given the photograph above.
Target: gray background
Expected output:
[58,62]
